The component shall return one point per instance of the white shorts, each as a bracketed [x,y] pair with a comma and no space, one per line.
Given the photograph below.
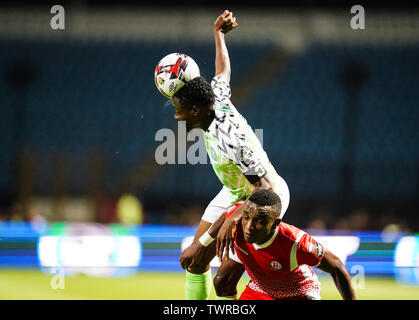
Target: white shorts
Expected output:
[225,199]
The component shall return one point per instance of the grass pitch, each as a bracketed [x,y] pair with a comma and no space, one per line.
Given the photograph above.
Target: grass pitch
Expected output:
[33,284]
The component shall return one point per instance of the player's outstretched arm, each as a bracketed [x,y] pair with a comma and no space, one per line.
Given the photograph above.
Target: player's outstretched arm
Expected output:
[332,265]
[192,255]
[224,23]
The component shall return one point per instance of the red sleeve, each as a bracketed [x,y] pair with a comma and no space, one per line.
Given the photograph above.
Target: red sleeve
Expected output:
[309,251]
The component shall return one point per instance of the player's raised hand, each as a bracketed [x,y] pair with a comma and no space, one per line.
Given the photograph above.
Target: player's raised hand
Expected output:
[191,255]
[225,22]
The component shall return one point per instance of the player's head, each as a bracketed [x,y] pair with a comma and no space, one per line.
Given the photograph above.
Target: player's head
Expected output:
[193,102]
[261,215]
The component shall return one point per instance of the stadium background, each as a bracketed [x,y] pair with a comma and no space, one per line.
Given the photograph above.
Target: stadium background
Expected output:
[80,111]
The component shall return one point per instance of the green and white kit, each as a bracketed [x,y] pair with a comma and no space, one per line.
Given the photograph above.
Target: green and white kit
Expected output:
[236,155]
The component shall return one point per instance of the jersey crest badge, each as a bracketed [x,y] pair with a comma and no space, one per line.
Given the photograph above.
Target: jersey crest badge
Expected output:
[318,250]
[276,265]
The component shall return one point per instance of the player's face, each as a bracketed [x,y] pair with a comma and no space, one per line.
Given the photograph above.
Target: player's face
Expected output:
[184,114]
[257,223]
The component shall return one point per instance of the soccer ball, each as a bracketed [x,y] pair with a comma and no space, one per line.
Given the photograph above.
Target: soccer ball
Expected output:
[173,71]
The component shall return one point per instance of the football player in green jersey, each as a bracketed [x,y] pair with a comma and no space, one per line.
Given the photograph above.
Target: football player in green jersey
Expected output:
[236,155]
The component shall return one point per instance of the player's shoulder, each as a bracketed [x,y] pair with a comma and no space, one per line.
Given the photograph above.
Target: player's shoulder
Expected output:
[290,232]
[222,90]
[231,209]
[221,119]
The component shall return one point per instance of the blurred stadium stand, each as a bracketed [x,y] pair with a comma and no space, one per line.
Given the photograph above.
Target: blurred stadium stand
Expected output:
[89,110]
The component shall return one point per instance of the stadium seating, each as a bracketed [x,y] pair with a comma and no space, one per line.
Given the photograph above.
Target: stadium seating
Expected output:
[90,98]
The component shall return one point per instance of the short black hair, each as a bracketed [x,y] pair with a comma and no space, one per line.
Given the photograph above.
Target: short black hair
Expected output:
[264,197]
[196,92]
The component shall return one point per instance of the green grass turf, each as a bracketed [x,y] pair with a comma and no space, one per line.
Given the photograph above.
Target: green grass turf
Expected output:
[31,284]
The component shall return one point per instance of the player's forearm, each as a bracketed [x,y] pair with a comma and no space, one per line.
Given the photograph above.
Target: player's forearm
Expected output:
[335,267]
[222,59]
[216,226]
[213,231]
[342,282]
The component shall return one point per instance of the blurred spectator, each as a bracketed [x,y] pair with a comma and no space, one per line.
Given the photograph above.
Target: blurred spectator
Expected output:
[129,209]
[319,221]
[391,232]
[179,215]
[20,212]
[191,215]
[342,224]
[359,220]
[107,212]
[4,214]
[392,225]
[28,214]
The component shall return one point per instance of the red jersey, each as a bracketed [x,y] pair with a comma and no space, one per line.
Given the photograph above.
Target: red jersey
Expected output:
[281,266]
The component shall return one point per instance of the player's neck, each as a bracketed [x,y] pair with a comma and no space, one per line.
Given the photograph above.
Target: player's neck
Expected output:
[268,237]
[206,122]
[259,243]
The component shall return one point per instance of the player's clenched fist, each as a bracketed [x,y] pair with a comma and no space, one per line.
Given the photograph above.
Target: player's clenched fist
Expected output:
[225,22]
[191,255]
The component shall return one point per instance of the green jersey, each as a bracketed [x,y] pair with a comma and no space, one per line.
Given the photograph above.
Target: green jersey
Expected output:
[235,152]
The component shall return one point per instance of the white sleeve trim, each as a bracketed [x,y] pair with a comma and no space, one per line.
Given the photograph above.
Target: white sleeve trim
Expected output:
[293,254]
[322,256]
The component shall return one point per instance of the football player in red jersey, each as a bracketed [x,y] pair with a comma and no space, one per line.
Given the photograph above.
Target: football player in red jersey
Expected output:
[277,256]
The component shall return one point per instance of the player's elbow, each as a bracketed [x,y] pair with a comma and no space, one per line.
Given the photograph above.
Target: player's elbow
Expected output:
[332,264]
[263,184]
[342,279]
[338,268]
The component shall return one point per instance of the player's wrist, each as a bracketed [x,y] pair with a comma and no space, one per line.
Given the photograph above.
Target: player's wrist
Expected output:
[218,32]
[206,239]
